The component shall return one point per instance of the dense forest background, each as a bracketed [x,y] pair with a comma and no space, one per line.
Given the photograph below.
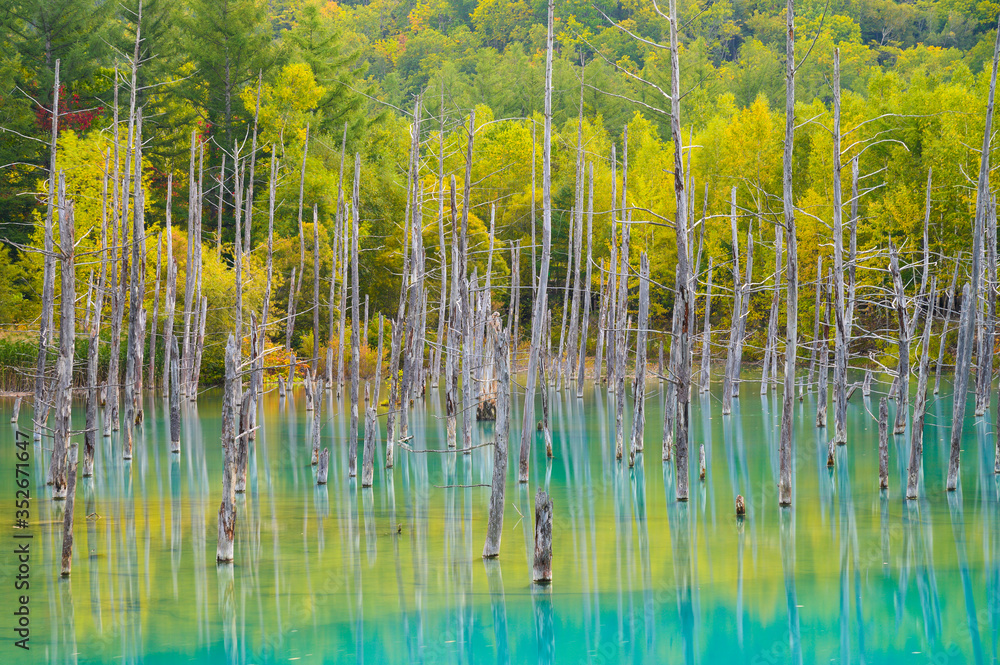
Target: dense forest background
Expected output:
[914,74]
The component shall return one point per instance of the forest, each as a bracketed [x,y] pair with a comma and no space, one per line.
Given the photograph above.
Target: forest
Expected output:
[309,81]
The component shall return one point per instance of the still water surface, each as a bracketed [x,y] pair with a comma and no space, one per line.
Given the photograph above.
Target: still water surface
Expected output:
[394,574]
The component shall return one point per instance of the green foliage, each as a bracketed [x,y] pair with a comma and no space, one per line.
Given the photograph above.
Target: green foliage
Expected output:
[914,80]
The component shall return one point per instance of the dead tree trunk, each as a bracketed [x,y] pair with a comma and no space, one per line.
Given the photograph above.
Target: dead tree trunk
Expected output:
[371,435]
[400,321]
[686,297]
[734,326]
[175,399]
[227,509]
[296,287]
[170,299]
[570,362]
[541,571]
[943,340]
[316,390]
[982,202]
[585,324]
[494,529]
[378,361]
[705,382]
[199,348]
[344,257]
[133,364]
[560,368]
[903,369]
[352,438]
[602,315]
[243,441]
[962,361]
[621,350]
[744,315]
[156,314]
[791,273]
[189,273]
[451,358]
[515,314]
[883,443]
[639,389]
[917,430]
[770,370]
[41,400]
[546,365]
[814,347]
[93,349]
[840,348]
[67,543]
[64,367]
[316,304]
[543,277]
[822,364]
[468,361]
[984,375]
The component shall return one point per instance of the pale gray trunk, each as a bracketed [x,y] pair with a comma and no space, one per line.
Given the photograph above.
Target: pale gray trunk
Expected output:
[352,437]
[822,362]
[602,316]
[494,528]
[41,400]
[175,399]
[527,423]
[903,368]
[156,313]
[64,365]
[582,360]
[684,277]
[982,201]
[791,274]
[541,571]
[705,382]
[840,349]
[734,325]
[621,349]
[371,436]
[883,443]
[227,509]
[919,408]
[943,341]
[984,375]
[639,389]
[814,347]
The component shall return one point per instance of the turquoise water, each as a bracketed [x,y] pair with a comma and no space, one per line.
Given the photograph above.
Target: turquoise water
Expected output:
[394,574]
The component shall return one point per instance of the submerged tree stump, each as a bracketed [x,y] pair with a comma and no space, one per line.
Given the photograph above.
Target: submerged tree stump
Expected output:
[541,571]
